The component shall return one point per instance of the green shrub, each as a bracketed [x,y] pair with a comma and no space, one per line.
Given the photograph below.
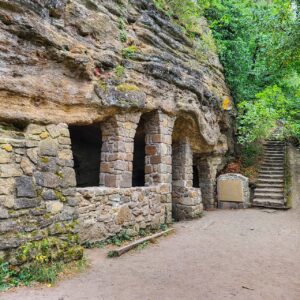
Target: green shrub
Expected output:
[126,87]
[13,276]
[250,154]
[129,52]
[119,71]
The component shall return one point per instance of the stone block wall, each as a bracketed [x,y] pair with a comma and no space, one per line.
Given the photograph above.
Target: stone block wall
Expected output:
[186,200]
[37,194]
[117,150]
[207,170]
[39,199]
[104,212]
[233,191]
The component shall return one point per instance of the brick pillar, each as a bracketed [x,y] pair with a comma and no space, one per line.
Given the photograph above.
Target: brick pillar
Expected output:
[158,168]
[158,161]
[186,200]
[182,164]
[207,170]
[117,150]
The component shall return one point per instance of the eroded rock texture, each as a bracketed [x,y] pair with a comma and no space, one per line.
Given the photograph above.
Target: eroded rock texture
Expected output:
[82,60]
[151,96]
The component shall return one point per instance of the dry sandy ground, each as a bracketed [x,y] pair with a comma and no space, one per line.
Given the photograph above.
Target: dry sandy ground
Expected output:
[242,254]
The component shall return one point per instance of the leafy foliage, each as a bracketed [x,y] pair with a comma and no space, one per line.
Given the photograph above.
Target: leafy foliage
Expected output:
[259,45]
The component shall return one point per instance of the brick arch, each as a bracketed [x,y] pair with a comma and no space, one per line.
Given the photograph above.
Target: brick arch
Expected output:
[186,195]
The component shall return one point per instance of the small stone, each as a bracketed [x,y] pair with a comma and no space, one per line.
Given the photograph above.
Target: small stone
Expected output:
[21,203]
[68,214]
[47,179]
[124,215]
[7,147]
[65,132]
[27,166]
[8,225]
[34,129]
[48,147]
[65,154]
[7,201]
[49,195]
[44,135]
[68,177]
[54,207]
[31,144]
[48,164]
[64,140]
[73,202]
[32,154]
[53,130]
[5,157]
[6,186]
[10,170]
[3,213]
[25,187]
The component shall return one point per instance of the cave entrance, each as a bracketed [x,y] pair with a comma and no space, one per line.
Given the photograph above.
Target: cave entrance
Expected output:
[139,155]
[86,143]
[196,179]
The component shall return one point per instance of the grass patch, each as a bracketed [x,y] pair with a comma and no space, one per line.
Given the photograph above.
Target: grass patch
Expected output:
[126,87]
[129,52]
[142,245]
[119,71]
[13,276]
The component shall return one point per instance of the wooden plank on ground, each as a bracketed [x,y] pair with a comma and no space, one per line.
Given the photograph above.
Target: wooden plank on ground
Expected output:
[126,248]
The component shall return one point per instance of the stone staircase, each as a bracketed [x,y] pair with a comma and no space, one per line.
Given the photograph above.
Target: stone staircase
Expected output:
[269,191]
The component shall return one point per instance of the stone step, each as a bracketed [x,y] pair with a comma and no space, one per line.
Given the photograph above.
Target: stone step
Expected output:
[270,185]
[275,176]
[272,147]
[269,190]
[267,196]
[273,164]
[274,142]
[271,159]
[280,168]
[267,180]
[274,151]
[272,203]
[271,172]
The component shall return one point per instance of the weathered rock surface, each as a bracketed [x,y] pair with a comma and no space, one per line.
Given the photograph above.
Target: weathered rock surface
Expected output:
[64,60]
[125,67]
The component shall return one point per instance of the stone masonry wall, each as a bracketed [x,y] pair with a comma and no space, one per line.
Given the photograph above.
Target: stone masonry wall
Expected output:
[186,200]
[117,150]
[105,212]
[40,201]
[37,203]
[207,170]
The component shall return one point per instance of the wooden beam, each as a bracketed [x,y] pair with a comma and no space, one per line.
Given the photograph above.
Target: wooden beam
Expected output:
[126,248]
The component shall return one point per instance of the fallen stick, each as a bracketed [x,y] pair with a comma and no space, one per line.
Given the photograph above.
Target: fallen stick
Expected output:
[124,249]
[247,288]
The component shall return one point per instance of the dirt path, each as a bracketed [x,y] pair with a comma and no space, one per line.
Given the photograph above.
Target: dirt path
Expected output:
[244,254]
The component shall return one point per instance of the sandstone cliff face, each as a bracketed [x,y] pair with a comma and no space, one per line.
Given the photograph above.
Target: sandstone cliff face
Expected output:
[81,61]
